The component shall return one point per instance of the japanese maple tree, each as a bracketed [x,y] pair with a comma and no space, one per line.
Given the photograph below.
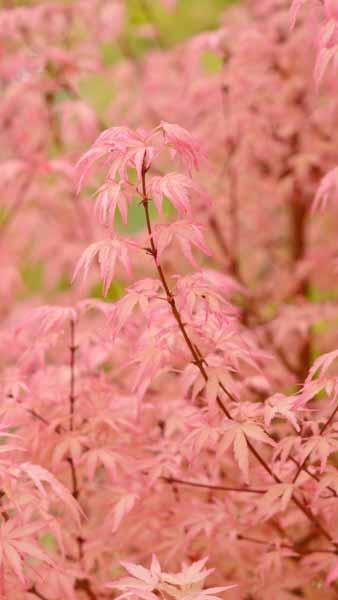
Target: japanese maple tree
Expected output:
[169,413]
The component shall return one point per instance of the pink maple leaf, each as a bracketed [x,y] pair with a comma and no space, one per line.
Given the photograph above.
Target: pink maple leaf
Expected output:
[187,234]
[48,319]
[122,147]
[183,144]
[179,189]
[276,499]
[15,546]
[138,295]
[40,477]
[236,434]
[108,252]
[111,196]
[122,508]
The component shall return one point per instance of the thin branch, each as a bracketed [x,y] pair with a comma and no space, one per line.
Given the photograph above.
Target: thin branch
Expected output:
[329,421]
[75,485]
[280,353]
[33,590]
[235,226]
[314,476]
[39,417]
[248,490]
[209,486]
[72,350]
[219,237]
[246,538]
[84,584]
[200,362]
[302,465]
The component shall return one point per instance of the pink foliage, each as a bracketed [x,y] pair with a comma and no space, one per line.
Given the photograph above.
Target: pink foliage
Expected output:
[173,432]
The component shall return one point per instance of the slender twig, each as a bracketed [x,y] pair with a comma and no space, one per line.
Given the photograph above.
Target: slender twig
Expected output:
[84,584]
[200,363]
[33,590]
[37,416]
[329,421]
[72,350]
[246,538]
[326,425]
[280,353]
[313,476]
[209,486]
[248,490]
[75,485]
[235,225]
[219,237]
[229,489]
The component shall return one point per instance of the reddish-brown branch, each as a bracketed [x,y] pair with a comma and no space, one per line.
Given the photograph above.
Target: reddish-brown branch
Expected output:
[234,226]
[83,584]
[33,590]
[209,486]
[330,419]
[175,480]
[218,235]
[200,362]
[247,538]
[72,350]
[326,425]
[298,217]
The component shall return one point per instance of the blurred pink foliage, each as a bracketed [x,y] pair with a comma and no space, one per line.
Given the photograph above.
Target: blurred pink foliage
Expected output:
[186,415]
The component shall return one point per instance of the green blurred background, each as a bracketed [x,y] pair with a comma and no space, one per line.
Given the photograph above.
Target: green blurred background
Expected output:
[189,17]
[172,26]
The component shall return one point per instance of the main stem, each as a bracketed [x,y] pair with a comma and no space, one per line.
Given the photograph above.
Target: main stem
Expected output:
[83,584]
[198,358]
[298,210]
[72,350]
